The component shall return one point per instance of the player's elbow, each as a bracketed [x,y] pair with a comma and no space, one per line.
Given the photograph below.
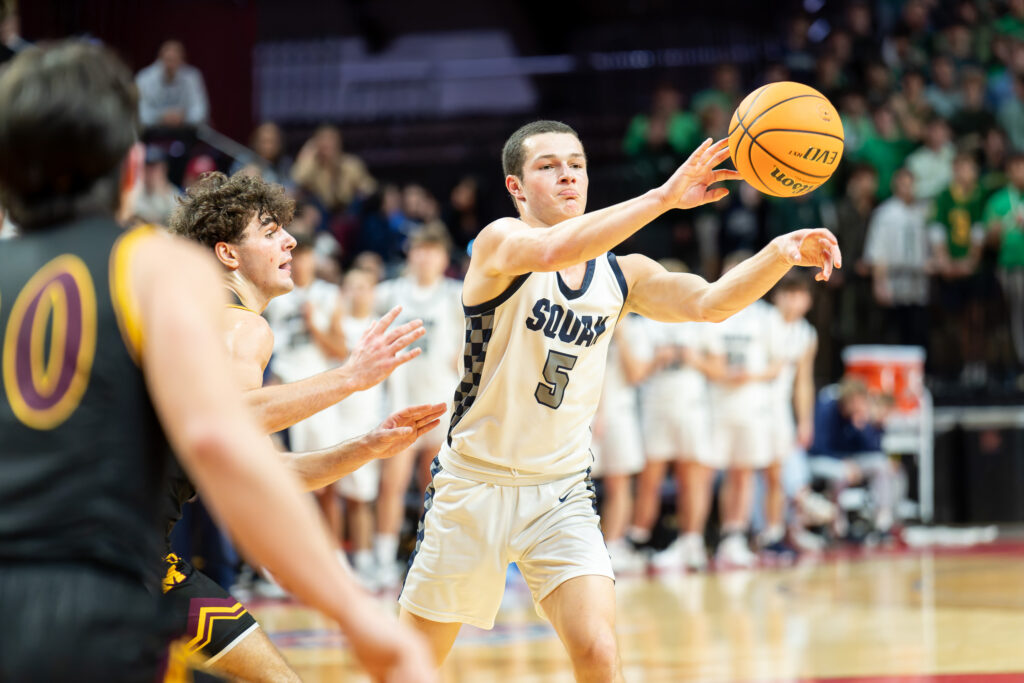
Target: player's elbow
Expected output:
[206,447]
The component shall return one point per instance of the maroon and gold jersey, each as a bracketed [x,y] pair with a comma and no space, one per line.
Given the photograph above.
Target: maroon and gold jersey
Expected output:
[82,454]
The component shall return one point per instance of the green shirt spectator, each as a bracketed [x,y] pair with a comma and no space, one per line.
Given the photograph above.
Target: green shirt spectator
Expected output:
[1004,215]
[681,131]
[958,215]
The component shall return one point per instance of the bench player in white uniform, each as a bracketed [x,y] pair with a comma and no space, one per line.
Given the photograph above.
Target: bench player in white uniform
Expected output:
[359,489]
[618,446]
[542,297]
[677,425]
[740,403]
[424,293]
[795,343]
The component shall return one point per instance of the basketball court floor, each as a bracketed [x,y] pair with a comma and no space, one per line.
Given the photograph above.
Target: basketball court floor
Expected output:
[883,615]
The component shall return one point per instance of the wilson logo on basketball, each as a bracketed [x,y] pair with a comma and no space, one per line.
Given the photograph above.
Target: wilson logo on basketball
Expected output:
[790,184]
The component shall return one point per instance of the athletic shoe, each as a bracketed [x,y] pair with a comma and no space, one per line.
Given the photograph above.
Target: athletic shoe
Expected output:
[625,559]
[817,509]
[671,558]
[733,552]
[696,554]
[807,542]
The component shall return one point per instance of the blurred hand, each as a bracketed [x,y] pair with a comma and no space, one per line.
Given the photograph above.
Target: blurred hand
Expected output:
[401,430]
[815,248]
[688,186]
[805,434]
[392,652]
[380,350]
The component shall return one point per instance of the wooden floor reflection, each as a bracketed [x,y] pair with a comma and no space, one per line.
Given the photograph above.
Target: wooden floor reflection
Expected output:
[858,617]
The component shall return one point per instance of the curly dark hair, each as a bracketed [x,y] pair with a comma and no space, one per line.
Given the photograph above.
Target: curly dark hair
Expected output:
[217,208]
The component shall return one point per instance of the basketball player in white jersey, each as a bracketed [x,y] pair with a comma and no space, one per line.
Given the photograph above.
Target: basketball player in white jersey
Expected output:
[359,489]
[618,446]
[424,293]
[792,396]
[542,296]
[741,400]
[677,424]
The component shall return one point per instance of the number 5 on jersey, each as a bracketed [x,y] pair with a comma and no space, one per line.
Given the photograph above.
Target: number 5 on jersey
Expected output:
[551,391]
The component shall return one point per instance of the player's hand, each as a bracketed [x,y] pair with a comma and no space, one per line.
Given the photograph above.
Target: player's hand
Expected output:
[815,248]
[380,350]
[392,652]
[688,186]
[401,429]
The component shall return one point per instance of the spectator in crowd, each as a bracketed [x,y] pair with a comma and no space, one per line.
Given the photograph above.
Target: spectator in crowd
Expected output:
[911,100]
[463,213]
[269,160]
[1011,114]
[171,93]
[847,450]
[197,167]
[726,91]
[886,149]
[326,171]
[957,239]
[843,313]
[932,163]
[857,124]
[1004,217]
[157,197]
[897,250]
[974,117]
[656,142]
[943,94]
[995,150]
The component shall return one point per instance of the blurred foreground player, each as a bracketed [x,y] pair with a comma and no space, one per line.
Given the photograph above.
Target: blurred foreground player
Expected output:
[132,320]
[542,298]
[241,219]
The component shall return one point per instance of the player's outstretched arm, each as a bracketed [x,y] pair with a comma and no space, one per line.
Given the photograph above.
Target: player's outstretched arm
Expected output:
[370,362]
[676,297]
[508,247]
[317,469]
[239,474]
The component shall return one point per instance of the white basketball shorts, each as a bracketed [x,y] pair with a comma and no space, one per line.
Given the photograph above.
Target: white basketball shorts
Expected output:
[471,531]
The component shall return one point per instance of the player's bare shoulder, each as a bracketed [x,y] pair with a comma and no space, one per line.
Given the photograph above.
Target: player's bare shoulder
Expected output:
[250,342]
[485,279]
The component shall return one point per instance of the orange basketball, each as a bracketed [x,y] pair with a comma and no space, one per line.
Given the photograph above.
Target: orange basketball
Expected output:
[786,139]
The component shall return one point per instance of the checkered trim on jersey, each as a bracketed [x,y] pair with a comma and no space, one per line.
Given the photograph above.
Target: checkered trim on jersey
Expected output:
[428,502]
[478,335]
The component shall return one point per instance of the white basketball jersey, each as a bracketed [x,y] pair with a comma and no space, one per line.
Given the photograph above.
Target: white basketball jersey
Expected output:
[618,394]
[296,355]
[678,386]
[362,411]
[535,363]
[746,340]
[790,343]
[430,378]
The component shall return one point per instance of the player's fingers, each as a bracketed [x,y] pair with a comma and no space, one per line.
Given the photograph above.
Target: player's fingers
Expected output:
[699,152]
[386,320]
[826,264]
[404,357]
[433,415]
[405,328]
[726,174]
[427,427]
[401,342]
[837,256]
[714,194]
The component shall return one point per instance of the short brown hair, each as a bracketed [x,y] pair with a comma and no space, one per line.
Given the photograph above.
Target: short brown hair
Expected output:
[512,155]
[67,121]
[433,234]
[218,208]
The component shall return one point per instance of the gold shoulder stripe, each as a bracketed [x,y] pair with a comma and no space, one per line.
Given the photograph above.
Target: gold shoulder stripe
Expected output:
[242,308]
[126,305]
